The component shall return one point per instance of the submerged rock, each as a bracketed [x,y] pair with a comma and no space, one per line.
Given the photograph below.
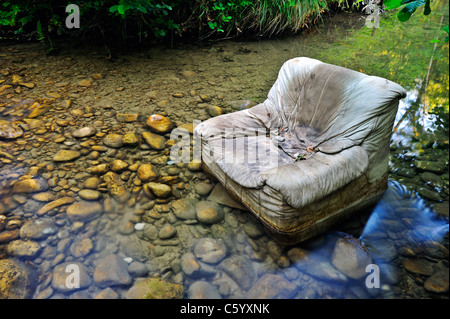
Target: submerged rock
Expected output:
[242,104]
[438,282]
[159,190]
[189,264]
[38,228]
[17,281]
[112,271]
[351,258]
[209,212]
[9,130]
[23,248]
[63,282]
[84,210]
[220,195]
[84,132]
[185,208]
[116,186]
[66,156]
[155,141]
[113,140]
[315,265]
[155,288]
[203,290]
[272,286]
[210,250]
[147,173]
[54,204]
[30,185]
[240,269]
[431,166]
[214,110]
[159,124]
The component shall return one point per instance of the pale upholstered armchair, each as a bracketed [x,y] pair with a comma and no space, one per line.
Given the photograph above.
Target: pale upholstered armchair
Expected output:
[315,151]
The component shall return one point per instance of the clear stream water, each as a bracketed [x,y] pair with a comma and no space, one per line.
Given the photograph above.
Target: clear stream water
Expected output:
[405,236]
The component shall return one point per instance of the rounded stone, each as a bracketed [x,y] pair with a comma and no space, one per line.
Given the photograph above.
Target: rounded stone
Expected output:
[89,194]
[185,208]
[44,197]
[351,258]
[203,290]
[38,228]
[137,269]
[92,182]
[159,124]
[193,166]
[189,264]
[84,132]
[155,288]
[253,230]
[113,140]
[210,250]
[167,231]
[9,130]
[203,188]
[160,190]
[131,139]
[66,156]
[214,110]
[155,141]
[110,271]
[23,248]
[17,280]
[64,277]
[30,185]
[84,211]
[272,286]
[209,212]
[438,282]
[82,248]
[147,173]
[100,169]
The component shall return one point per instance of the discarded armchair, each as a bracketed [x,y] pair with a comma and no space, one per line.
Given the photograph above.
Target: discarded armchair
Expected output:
[315,151]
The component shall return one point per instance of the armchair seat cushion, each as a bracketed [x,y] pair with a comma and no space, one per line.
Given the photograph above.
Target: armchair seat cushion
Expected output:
[302,183]
[255,161]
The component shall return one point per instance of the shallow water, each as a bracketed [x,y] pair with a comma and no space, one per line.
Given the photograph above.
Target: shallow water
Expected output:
[134,235]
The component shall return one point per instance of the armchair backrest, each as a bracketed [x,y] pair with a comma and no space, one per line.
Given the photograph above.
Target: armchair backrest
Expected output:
[341,107]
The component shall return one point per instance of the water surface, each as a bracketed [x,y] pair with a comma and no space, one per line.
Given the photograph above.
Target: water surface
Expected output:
[405,236]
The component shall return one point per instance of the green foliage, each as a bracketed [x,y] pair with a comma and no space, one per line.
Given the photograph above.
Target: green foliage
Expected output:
[409,7]
[153,20]
[223,14]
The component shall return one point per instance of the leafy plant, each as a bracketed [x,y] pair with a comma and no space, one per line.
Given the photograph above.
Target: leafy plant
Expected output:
[158,20]
[446,38]
[409,7]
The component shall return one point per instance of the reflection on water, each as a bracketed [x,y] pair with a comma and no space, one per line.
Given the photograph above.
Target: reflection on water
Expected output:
[406,216]
[401,232]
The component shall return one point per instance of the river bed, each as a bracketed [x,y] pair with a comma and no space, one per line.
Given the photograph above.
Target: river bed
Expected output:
[79,181]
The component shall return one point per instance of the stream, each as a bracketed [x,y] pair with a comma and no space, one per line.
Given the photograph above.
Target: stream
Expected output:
[91,205]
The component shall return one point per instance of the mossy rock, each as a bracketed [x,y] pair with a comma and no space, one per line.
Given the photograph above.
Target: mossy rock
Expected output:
[155,288]
[17,281]
[431,166]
